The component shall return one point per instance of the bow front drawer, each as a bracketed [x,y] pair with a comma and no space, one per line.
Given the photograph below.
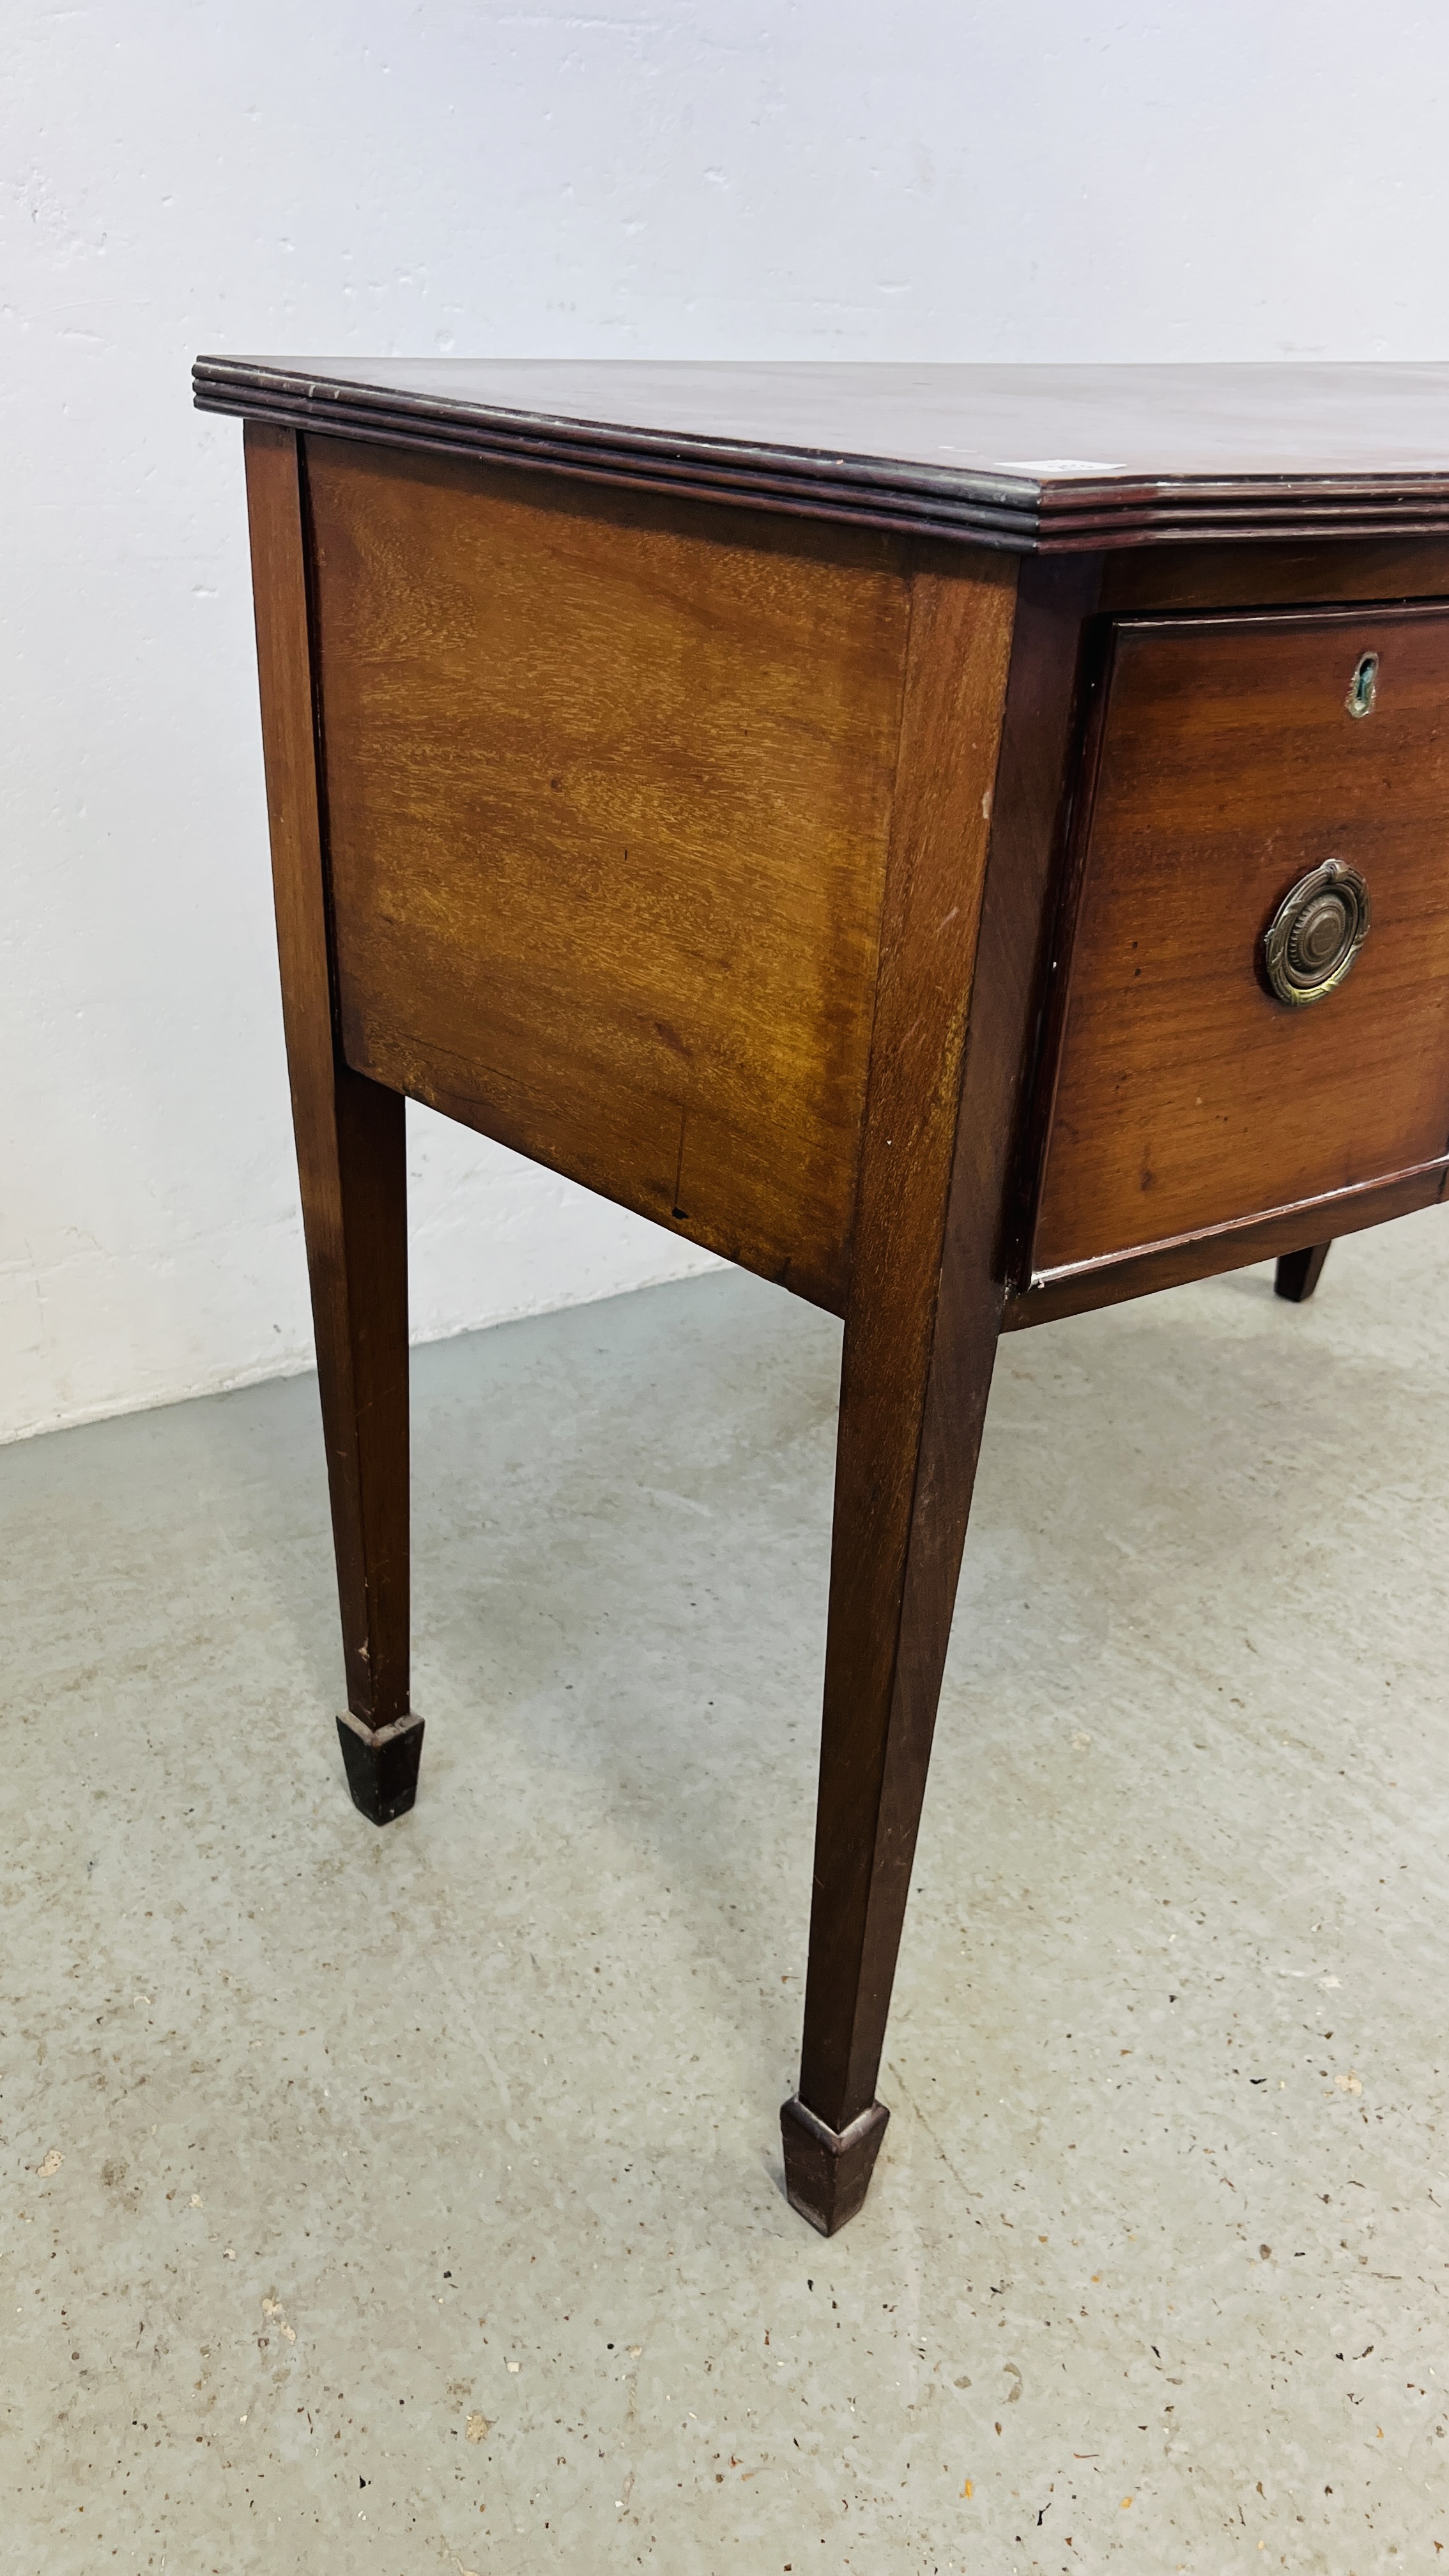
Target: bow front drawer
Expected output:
[1254,1005]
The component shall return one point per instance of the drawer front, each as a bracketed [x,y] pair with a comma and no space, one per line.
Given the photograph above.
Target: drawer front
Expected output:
[1225,766]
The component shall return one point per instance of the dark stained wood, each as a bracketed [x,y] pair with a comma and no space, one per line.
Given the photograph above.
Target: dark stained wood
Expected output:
[927,1289]
[1202,1256]
[1139,580]
[1049,458]
[878,912]
[350,1159]
[1298,1273]
[1187,1098]
[608,789]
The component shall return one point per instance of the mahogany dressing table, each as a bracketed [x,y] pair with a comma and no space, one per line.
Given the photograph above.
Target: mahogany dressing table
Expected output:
[968,843]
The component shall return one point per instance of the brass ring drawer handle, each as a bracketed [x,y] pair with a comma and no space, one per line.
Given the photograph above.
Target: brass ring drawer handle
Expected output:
[1316,933]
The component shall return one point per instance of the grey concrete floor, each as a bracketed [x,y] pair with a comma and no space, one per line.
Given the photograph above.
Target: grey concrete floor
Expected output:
[411,2200]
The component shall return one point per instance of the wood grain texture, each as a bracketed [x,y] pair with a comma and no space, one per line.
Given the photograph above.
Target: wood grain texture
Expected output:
[349,1133]
[875,911]
[1203,1256]
[1138,580]
[609,787]
[1026,457]
[959,959]
[1187,1098]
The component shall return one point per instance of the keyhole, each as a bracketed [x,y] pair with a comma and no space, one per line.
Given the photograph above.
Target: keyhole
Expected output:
[1363,688]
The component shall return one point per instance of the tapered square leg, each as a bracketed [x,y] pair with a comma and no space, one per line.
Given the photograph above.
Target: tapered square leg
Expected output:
[961,948]
[1298,1273]
[352,1168]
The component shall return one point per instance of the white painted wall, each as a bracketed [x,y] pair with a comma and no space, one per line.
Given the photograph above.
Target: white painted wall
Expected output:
[931,179]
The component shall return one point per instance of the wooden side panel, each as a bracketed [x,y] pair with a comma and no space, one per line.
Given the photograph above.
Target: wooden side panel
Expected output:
[609,786]
[1187,1097]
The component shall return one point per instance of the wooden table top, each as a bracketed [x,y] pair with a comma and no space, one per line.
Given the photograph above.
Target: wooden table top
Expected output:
[1032,458]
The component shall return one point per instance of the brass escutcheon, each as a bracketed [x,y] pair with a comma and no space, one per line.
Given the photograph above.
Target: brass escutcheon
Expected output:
[1363,688]
[1316,933]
